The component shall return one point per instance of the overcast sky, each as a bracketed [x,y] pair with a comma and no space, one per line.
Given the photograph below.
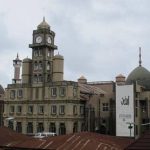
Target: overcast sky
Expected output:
[98,38]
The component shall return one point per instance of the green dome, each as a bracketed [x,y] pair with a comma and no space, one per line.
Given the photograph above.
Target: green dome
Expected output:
[141,75]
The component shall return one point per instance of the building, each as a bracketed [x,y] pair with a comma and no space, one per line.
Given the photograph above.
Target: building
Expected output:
[41,100]
[138,97]
[1,104]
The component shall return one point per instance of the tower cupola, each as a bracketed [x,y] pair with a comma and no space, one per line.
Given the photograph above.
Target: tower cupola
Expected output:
[17,65]
[43,25]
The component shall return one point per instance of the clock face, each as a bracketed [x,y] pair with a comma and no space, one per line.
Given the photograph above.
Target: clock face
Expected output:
[38,39]
[49,39]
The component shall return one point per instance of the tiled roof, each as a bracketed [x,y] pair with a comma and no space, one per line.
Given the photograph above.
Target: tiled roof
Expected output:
[143,143]
[77,141]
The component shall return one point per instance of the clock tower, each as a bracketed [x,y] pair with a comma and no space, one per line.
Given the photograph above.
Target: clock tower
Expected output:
[42,53]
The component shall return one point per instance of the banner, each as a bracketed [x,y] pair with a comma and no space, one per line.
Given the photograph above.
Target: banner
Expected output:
[125,110]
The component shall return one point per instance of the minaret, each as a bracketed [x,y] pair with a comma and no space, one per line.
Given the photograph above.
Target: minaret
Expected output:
[17,64]
[140,61]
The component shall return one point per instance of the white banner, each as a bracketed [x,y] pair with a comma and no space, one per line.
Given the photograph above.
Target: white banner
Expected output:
[124,110]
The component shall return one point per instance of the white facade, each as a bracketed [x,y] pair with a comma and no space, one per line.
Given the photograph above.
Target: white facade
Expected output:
[124,110]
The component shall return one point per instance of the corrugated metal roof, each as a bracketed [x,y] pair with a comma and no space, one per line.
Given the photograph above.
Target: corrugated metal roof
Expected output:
[143,143]
[77,141]
[8,136]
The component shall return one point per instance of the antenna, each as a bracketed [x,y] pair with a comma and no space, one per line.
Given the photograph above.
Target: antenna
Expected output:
[140,61]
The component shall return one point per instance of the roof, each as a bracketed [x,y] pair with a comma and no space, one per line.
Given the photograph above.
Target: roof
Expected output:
[143,143]
[77,141]
[8,136]
[43,25]
[85,88]
[27,60]
[141,75]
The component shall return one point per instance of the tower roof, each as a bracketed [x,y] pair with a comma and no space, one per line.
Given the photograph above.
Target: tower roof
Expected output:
[43,25]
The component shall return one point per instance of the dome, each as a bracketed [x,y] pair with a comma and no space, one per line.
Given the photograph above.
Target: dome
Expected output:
[58,56]
[43,25]
[27,60]
[141,75]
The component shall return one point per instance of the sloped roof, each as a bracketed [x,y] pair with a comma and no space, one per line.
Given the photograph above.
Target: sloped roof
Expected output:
[84,88]
[143,143]
[77,141]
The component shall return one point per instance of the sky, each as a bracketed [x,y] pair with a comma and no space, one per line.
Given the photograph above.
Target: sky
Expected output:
[99,39]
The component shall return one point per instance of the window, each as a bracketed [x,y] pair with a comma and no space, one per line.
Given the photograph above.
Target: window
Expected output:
[48,66]
[19,109]
[12,109]
[62,109]
[40,127]
[62,91]
[75,127]
[62,129]
[35,65]
[75,110]
[105,106]
[74,92]
[53,91]
[101,95]
[40,78]
[35,79]
[30,109]
[83,127]
[20,93]
[40,52]
[48,77]
[52,127]
[53,109]
[81,110]
[30,127]
[40,65]
[35,53]
[41,109]
[12,94]
[19,127]
[10,124]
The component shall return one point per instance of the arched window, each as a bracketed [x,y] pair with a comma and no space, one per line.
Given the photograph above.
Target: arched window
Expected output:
[62,129]
[35,78]
[40,78]
[48,66]
[35,65]
[40,65]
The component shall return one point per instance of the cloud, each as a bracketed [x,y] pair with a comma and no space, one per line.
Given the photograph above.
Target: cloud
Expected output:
[98,39]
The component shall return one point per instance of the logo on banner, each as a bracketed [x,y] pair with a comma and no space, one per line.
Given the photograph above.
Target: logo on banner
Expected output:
[125,100]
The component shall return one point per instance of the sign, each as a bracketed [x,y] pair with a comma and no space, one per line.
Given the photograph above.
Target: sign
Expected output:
[124,110]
